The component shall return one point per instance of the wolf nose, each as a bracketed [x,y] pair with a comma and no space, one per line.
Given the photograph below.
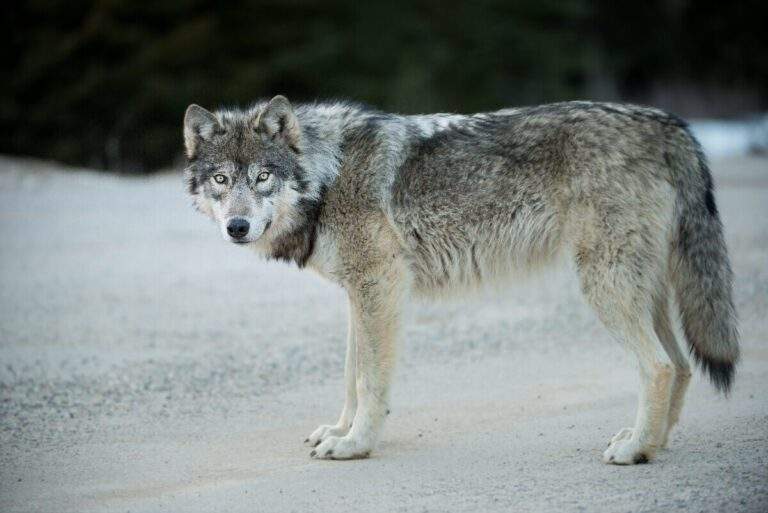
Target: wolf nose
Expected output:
[238,228]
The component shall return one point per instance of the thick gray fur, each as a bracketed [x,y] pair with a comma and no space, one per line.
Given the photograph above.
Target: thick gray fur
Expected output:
[388,205]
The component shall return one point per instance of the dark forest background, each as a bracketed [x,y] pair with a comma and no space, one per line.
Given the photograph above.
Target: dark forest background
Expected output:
[105,83]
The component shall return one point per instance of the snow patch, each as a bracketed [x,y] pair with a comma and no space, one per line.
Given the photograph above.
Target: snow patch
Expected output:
[732,138]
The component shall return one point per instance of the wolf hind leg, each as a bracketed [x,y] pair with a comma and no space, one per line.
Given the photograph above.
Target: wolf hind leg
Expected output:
[663,327]
[619,275]
[640,443]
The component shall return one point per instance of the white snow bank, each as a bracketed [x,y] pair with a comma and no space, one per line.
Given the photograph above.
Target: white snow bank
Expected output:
[732,138]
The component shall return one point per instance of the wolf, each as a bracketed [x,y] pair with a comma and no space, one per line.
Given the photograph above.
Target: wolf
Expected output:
[393,206]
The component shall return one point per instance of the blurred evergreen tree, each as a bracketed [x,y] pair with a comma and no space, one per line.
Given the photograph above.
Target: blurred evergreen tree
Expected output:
[104,83]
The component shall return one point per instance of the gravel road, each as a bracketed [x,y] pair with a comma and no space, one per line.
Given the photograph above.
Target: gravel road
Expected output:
[146,365]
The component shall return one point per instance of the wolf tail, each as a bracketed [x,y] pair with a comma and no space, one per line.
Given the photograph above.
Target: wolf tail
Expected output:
[701,272]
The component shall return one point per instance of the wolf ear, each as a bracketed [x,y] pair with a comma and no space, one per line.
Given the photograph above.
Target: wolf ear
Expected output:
[278,121]
[199,124]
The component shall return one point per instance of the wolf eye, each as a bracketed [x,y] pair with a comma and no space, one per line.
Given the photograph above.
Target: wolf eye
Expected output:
[262,176]
[219,178]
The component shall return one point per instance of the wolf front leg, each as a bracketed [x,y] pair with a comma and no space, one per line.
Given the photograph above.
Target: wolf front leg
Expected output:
[344,423]
[375,307]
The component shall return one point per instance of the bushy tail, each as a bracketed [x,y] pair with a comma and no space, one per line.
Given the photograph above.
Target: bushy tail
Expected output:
[702,275]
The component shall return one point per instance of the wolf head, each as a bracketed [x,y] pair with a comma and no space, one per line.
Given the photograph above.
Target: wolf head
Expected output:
[246,170]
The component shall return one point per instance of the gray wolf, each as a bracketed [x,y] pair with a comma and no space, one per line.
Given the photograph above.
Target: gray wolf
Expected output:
[389,206]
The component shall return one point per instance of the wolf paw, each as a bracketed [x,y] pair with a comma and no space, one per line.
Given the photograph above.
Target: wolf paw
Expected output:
[341,448]
[625,450]
[323,432]
[624,434]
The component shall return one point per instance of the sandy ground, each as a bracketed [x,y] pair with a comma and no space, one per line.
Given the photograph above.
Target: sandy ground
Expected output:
[146,365]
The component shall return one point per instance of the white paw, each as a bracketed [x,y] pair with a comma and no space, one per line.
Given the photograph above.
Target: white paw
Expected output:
[624,434]
[625,450]
[323,432]
[342,448]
